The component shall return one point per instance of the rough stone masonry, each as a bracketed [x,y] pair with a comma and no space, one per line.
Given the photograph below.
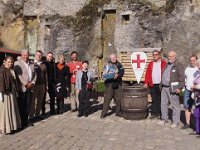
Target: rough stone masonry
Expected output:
[51,26]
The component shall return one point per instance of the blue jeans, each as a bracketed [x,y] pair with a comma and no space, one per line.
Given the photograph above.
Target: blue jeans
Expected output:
[188,101]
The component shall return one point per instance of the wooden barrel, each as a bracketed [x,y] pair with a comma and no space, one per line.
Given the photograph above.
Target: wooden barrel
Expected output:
[134,102]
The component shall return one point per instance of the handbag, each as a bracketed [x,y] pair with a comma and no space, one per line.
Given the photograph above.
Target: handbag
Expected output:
[89,86]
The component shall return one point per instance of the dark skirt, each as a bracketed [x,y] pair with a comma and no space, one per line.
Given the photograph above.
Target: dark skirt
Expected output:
[60,90]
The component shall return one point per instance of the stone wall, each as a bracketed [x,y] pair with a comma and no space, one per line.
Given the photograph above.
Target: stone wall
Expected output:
[12,25]
[52,7]
[158,3]
[12,36]
[175,31]
[171,24]
[196,5]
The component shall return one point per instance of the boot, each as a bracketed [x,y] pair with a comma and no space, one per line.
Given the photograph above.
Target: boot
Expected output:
[58,106]
[61,106]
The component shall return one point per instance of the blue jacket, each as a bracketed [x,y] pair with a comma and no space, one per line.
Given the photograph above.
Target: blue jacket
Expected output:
[79,77]
[120,73]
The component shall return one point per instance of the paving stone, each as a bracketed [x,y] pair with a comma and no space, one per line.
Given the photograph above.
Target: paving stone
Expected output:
[92,133]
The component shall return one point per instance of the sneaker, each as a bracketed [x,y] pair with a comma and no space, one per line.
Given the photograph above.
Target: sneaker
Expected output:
[186,126]
[162,122]
[193,133]
[173,125]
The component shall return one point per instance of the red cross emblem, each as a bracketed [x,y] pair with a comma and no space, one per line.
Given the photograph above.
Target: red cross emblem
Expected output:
[138,61]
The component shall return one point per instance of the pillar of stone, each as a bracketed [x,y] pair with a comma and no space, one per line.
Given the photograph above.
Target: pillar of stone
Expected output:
[41,35]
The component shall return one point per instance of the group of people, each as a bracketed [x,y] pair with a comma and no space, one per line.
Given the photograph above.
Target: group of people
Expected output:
[25,84]
[166,81]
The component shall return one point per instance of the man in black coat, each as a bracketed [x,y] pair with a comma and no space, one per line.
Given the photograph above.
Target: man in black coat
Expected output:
[51,83]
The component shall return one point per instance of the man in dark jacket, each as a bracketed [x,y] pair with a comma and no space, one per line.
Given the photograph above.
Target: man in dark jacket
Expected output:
[40,86]
[172,84]
[112,74]
[51,83]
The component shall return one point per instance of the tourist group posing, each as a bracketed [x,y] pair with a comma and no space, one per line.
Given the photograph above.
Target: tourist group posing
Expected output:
[24,85]
[166,81]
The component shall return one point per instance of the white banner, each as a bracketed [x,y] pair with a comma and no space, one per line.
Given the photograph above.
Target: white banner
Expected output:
[138,61]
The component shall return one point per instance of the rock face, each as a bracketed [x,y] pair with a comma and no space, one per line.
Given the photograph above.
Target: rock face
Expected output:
[158,3]
[177,30]
[10,10]
[66,25]
[12,28]
[12,36]
[196,5]
[52,7]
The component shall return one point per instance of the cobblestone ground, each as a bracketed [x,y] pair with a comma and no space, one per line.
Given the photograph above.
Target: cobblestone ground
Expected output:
[67,132]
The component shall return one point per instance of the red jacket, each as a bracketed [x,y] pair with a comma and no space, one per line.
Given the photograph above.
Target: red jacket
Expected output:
[148,77]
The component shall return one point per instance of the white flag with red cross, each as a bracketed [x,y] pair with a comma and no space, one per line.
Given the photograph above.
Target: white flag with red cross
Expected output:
[138,61]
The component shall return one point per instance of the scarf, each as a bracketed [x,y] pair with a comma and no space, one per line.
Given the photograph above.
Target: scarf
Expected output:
[60,66]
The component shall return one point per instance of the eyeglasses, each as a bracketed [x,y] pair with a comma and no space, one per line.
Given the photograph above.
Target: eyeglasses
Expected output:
[170,56]
[155,54]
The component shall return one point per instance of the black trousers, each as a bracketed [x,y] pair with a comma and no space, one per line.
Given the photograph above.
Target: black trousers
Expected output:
[51,92]
[84,101]
[156,98]
[24,104]
[60,105]
[109,94]
[44,103]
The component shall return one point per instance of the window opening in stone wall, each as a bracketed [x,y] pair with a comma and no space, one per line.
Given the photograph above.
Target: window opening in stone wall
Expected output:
[30,17]
[111,11]
[125,19]
[48,26]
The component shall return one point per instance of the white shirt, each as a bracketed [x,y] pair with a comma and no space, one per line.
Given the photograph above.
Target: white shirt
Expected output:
[189,77]
[38,62]
[29,70]
[156,72]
